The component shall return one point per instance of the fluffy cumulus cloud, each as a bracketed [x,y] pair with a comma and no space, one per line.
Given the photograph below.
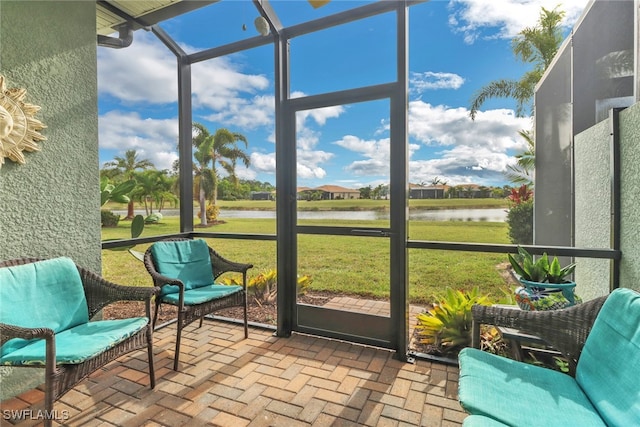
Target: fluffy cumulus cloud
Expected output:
[463,150]
[310,163]
[145,75]
[144,72]
[251,113]
[153,139]
[374,155]
[505,18]
[429,80]
[234,97]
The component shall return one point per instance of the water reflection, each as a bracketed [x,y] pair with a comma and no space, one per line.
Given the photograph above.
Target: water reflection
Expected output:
[490,215]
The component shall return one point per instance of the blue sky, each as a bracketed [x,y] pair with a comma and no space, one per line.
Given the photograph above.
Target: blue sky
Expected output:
[455,48]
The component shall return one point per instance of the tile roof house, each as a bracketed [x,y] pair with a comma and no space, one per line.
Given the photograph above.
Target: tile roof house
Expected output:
[330,192]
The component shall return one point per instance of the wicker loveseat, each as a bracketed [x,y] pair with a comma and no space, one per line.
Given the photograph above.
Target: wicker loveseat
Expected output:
[46,307]
[601,340]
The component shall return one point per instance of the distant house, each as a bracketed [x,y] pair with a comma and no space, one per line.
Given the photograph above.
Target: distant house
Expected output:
[327,192]
[262,195]
[471,191]
[335,192]
[437,191]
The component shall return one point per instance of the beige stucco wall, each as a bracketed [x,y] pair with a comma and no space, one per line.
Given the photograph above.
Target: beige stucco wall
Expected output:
[50,206]
[593,203]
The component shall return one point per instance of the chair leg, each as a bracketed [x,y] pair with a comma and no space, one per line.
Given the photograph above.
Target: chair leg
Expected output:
[246,325]
[50,379]
[179,334]
[155,312]
[48,405]
[152,372]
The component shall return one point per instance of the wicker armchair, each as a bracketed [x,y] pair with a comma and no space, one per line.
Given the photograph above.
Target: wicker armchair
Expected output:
[61,377]
[178,291]
[566,330]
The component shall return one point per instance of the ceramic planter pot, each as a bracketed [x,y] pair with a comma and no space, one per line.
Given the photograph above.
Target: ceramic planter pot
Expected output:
[546,296]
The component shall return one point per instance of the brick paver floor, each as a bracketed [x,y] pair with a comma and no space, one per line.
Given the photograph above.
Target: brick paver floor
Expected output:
[226,380]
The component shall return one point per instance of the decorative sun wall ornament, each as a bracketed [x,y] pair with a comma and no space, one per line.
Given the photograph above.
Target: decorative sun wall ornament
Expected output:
[19,130]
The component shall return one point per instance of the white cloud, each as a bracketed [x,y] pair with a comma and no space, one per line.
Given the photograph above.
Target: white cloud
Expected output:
[505,18]
[420,82]
[261,162]
[219,85]
[375,153]
[440,125]
[309,164]
[153,139]
[145,72]
[248,113]
[471,151]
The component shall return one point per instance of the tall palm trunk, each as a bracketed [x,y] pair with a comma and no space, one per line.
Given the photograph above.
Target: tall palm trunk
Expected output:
[130,212]
[203,207]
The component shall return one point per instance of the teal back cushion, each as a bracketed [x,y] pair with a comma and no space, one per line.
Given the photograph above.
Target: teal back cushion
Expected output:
[609,366]
[45,294]
[186,260]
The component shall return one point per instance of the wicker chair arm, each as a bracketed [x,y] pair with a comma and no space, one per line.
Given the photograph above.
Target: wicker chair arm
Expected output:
[101,292]
[161,280]
[566,330]
[222,265]
[8,332]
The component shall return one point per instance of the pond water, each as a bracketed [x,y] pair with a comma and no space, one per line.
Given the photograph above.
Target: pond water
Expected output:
[490,215]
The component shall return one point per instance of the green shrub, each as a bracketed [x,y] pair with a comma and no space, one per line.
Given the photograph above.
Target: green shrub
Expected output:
[520,221]
[447,326]
[109,219]
[264,287]
[212,212]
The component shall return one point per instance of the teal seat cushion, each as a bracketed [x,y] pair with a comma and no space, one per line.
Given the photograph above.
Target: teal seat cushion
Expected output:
[481,421]
[202,294]
[79,343]
[519,394]
[609,367]
[43,294]
[186,260]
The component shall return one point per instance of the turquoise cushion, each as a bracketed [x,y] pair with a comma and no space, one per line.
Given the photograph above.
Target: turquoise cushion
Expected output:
[186,260]
[519,394]
[43,294]
[609,366]
[480,421]
[78,344]
[202,294]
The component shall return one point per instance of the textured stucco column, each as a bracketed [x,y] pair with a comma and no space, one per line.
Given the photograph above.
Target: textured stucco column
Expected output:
[593,208]
[593,203]
[51,205]
[630,197]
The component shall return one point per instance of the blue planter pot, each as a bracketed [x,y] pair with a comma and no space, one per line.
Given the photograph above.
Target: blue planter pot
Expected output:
[546,296]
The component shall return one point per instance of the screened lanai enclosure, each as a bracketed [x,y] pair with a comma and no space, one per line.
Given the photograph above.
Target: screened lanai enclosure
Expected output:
[285,50]
[289,50]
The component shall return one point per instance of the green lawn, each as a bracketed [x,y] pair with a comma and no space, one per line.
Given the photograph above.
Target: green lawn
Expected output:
[344,264]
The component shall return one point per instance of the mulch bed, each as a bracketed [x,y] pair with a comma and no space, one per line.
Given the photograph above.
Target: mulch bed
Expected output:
[265,313]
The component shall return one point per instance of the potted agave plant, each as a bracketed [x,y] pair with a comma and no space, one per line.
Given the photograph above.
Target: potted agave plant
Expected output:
[544,284]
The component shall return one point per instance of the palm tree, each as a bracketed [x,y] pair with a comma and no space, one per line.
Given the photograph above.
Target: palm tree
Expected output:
[203,175]
[536,45]
[221,150]
[154,187]
[523,172]
[127,166]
